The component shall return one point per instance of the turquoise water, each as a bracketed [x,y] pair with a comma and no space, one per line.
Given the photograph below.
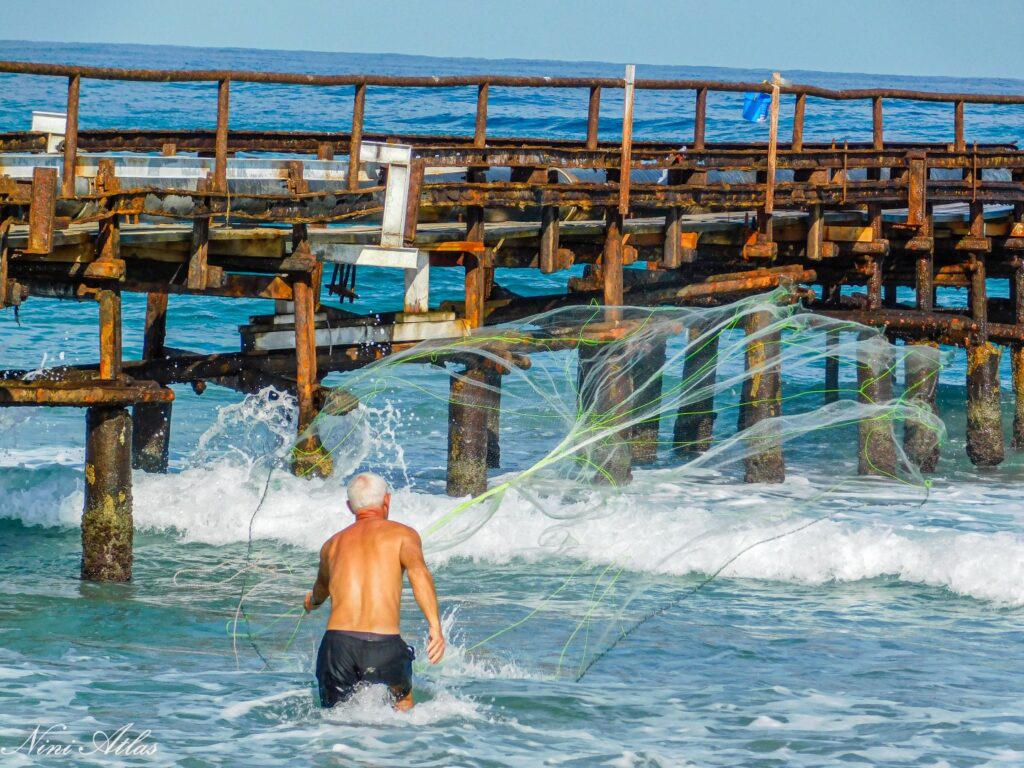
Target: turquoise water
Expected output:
[887,634]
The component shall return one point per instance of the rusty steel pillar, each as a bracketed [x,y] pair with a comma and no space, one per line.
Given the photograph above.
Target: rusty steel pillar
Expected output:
[695,420]
[921,379]
[471,400]
[761,399]
[107,528]
[309,457]
[476,266]
[151,423]
[611,260]
[875,442]
[647,383]
[984,401]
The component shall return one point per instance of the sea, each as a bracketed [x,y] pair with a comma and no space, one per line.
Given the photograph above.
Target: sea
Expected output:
[888,633]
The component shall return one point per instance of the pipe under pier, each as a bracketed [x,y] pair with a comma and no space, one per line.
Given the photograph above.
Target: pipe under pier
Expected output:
[89,215]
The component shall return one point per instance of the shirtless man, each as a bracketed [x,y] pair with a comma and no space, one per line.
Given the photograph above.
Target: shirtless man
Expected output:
[361,571]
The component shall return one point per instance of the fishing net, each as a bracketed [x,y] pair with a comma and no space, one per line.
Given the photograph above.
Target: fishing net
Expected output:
[597,411]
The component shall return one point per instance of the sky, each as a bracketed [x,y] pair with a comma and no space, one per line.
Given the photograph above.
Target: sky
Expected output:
[980,38]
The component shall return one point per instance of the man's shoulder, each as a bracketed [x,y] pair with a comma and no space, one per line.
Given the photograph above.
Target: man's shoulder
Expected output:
[401,529]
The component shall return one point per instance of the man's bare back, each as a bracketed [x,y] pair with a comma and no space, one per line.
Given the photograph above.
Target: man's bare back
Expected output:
[361,570]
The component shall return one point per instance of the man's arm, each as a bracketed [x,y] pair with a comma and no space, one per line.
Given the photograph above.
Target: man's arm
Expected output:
[422,582]
[321,589]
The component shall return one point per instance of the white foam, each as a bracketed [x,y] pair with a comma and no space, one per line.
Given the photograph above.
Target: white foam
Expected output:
[372,706]
[664,528]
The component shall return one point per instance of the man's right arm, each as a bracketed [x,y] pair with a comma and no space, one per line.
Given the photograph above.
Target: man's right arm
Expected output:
[422,582]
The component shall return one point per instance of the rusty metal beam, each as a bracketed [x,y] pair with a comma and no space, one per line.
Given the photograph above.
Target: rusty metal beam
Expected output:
[80,394]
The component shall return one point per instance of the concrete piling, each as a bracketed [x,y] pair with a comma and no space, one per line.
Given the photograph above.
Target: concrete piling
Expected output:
[470,400]
[876,454]
[647,383]
[605,388]
[761,399]
[921,378]
[984,399]
[984,409]
[107,528]
[695,420]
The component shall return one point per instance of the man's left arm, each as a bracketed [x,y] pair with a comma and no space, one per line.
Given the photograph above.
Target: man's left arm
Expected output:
[321,589]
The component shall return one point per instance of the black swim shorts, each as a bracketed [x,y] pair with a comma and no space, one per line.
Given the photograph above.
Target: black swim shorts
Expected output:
[347,659]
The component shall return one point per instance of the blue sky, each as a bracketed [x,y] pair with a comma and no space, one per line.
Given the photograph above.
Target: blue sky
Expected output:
[905,37]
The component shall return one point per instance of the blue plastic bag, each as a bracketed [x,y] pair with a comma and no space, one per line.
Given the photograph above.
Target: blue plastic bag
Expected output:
[755,107]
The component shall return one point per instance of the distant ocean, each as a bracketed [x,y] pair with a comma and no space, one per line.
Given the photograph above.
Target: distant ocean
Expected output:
[889,635]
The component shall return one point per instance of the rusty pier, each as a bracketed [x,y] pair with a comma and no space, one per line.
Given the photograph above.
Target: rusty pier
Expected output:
[88,215]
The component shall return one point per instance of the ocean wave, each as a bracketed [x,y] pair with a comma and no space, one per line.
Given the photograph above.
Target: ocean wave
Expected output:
[666,528]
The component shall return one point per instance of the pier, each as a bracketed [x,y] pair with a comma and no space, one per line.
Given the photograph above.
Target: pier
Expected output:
[88,215]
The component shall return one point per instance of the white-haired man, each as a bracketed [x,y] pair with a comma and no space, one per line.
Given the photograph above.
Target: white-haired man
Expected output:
[361,571]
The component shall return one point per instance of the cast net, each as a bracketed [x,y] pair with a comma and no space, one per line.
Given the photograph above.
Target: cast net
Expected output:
[600,424]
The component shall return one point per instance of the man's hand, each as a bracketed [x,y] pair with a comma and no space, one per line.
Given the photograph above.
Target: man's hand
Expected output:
[308,603]
[435,645]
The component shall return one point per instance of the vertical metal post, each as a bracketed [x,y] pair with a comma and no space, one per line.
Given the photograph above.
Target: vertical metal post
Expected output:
[412,210]
[309,459]
[475,263]
[71,137]
[798,122]
[480,130]
[773,145]
[611,260]
[42,210]
[549,227]
[700,118]
[959,143]
[220,154]
[110,333]
[355,141]
[672,248]
[151,423]
[626,156]
[877,136]
[815,233]
[593,116]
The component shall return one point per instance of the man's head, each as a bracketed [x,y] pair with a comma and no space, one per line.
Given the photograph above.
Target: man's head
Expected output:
[368,494]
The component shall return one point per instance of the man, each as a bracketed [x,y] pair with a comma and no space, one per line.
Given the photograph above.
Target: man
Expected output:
[361,571]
